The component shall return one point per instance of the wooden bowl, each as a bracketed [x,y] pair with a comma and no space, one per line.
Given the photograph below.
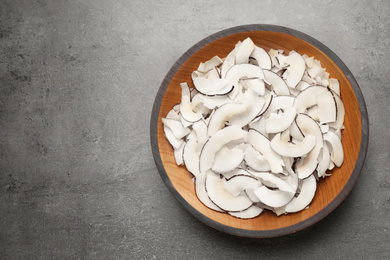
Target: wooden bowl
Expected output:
[331,191]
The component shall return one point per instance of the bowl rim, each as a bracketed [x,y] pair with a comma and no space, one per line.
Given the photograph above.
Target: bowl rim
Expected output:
[273,232]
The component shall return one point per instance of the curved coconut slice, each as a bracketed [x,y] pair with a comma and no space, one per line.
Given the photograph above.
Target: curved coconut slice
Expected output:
[295,70]
[215,143]
[227,159]
[255,103]
[186,108]
[324,161]
[273,198]
[259,125]
[327,107]
[315,70]
[173,114]
[340,112]
[178,154]
[309,126]
[293,149]
[261,58]
[272,181]
[176,127]
[334,85]
[242,71]
[238,183]
[172,139]
[309,186]
[200,129]
[291,179]
[262,144]
[235,172]
[222,198]
[200,190]
[255,84]
[210,64]
[277,123]
[273,54]
[244,51]
[336,151]
[212,87]
[251,212]
[191,156]
[255,160]
[224,113]
[277,84]
[230,60]
[210,102]
[279,103]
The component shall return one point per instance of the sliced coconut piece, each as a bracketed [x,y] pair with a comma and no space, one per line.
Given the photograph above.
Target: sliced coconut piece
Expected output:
[327,107]
[200,129]
[281,121]
[173,114]
[191,156]
[210,64]
[248,213]
[307,98]
[276,83]
[222,198]
[210,102]
[186,108]
[255,84]
[302,85]
[252,196]
[291,179]
[255,160]
[272,181]
[293,149]
[242,71]
[235,172]
[178,154]
[244,51]
[336,151]
[215,143]
[338,124]
[255,103]
[200,190]
[261,58]
[176,127]
[238,183]
[295,70]
[223,114]
[279,103]
[309,126]
[273,54]
[334,85]
[316,70]
[308,189]
[230,60]
[295,133]
[259,125]
[262,144]
[172,139]
[212,87]
[324,161]
[273,198]
[227,159]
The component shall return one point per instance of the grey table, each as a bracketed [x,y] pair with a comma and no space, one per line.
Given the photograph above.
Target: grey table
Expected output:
[77,84]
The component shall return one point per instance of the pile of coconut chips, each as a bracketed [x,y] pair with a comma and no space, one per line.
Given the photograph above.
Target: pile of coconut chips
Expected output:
[257,130]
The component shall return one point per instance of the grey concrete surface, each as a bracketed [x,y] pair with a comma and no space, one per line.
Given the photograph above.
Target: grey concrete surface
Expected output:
[77,84]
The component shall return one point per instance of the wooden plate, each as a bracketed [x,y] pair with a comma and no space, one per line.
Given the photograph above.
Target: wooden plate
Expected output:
[331,191]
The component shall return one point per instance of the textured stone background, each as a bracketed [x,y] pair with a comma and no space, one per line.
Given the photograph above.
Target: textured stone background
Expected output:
[77,84]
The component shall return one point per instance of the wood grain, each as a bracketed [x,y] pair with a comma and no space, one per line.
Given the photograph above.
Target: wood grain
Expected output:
[331,191]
